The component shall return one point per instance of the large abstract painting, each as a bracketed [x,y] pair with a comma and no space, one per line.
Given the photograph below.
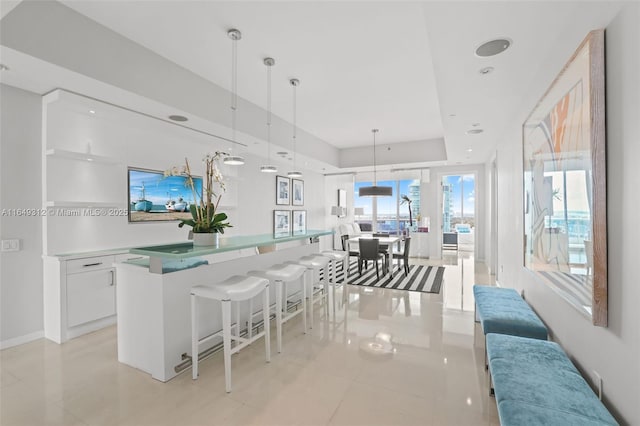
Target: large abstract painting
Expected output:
[565,242]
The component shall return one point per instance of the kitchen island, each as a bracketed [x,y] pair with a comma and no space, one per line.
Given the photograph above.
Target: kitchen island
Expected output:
[153,305]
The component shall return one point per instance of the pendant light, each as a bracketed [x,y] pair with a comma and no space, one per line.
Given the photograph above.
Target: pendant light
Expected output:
[294,174]
[375,190]
[234,35]
[269,168]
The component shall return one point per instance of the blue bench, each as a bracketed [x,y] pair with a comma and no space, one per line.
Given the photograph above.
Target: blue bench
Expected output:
[535,383]
[503,311]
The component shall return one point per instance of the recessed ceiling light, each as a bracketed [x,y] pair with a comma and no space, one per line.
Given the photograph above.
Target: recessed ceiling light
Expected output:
[282,153]
[3,67]
[486,70]
[469,150]
[178,118]
[493,47]
[91,111]
[474,131]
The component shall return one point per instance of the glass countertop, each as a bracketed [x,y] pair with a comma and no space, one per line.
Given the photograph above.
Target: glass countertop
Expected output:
[186,250]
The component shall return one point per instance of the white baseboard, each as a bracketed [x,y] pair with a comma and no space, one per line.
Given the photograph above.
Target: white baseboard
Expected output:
[20,340]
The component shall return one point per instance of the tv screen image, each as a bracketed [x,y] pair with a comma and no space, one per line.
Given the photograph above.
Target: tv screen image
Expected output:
[154,197]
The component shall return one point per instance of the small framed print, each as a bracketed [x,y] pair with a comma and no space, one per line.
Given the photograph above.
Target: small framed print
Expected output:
[281,223]
[297,192]
[283,191]
[299,222]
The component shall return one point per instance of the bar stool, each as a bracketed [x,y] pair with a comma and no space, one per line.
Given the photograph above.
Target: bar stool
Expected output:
[281,275]
[336,256]
[235,289]
[315,264]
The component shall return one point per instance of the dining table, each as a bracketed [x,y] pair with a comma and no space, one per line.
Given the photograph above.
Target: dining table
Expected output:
[386,241]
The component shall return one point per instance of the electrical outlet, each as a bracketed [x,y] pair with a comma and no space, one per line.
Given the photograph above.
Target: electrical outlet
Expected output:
[598,384]
[11,245]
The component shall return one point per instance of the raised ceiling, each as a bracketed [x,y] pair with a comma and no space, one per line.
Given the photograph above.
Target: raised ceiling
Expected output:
[408,69]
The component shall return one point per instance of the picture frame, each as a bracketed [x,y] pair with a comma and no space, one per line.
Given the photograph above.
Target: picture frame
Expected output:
[564,183]
[283,191]
[297,192]
[281,223]
[299,222]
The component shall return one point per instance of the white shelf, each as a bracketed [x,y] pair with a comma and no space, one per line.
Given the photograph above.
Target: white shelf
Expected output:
[72,155]
[97,204]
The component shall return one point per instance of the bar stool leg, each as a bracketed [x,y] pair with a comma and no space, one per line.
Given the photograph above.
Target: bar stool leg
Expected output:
[237,322]
[265,319]
[279,285]
[311,302]
[250,320]
[195,337]
[304,310]
[226,338]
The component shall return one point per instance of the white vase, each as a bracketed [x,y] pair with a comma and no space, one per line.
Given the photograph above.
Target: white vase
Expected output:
[206,239]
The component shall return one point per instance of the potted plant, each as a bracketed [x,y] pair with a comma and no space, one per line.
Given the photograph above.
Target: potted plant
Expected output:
[406,200]
[206,222]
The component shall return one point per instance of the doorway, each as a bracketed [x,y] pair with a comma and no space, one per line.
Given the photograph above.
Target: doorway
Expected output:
[459,212]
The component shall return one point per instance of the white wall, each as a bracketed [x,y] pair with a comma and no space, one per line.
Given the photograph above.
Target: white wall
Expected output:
[139,141]
[332,184]
[613,352]
[20,188]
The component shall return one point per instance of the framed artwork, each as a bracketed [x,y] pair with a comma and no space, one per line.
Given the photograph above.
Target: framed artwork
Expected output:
[281,223]
[283,192]
[297,192]
[299,222]
[564,178]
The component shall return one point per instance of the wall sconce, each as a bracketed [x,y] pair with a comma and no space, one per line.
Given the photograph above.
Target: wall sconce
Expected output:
[338,211]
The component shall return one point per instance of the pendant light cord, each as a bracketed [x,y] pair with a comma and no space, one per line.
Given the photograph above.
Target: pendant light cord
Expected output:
[269,113]
[295,128]
[375,178]
[234,86]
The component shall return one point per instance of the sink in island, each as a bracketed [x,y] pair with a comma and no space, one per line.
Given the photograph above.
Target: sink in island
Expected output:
[153,304]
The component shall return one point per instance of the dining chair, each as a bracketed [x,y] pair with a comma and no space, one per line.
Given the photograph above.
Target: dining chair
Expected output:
[345,244]
[404,255]
[369,250]
[384,248]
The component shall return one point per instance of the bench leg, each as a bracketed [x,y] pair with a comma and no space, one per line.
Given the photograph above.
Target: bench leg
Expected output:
[486,359]
[491,390]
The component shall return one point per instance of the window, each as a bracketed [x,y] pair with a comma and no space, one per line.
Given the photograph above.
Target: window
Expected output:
[390,214]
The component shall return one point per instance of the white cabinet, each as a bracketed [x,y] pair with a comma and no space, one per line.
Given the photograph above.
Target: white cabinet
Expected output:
[90,296]
[79,293]
[419,244]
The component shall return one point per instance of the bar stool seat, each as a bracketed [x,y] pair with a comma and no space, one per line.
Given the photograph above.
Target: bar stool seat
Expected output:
[337,256]
[234,289]
[314,264]
[281,275]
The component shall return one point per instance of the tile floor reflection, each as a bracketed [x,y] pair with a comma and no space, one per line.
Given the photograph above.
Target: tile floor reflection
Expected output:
[396,358]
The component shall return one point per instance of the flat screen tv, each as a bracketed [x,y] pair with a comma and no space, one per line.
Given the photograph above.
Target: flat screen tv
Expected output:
[154,197]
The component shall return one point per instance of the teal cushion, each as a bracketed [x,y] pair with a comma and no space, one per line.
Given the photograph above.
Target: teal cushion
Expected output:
[503,311]
[531,376]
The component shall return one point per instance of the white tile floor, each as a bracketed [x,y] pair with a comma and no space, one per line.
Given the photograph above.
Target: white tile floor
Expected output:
[399,358]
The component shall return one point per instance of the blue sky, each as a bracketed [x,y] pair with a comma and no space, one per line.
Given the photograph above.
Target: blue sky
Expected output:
[386,205]
[469,196]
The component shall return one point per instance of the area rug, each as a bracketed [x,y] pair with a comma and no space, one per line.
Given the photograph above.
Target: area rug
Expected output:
[426,279]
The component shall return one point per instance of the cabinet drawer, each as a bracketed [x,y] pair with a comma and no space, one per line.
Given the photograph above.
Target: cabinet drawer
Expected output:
[89,264]
[90,296]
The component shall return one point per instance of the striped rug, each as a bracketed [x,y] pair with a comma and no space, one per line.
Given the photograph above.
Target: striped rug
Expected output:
[426,279]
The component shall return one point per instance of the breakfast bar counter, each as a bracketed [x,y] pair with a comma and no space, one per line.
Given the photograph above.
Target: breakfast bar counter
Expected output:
[153,304]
